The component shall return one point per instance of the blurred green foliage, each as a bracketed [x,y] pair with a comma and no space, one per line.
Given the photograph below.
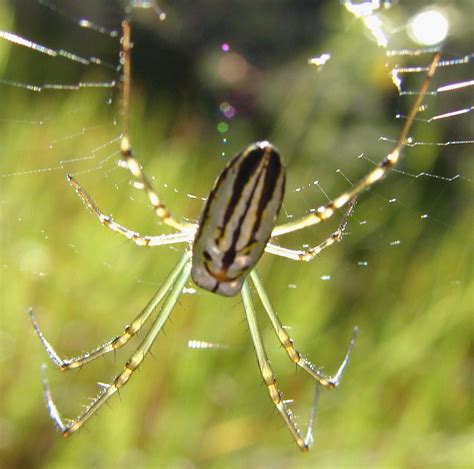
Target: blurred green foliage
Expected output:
[405,400]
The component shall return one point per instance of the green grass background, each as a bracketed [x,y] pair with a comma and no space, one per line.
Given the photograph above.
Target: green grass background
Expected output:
[406,399]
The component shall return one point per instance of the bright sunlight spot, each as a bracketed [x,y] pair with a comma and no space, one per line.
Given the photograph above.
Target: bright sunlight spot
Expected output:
[429,27]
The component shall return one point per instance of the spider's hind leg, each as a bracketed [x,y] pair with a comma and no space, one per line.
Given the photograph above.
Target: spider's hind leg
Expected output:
[287,342]
[129,331]
[304,442]
[108,390]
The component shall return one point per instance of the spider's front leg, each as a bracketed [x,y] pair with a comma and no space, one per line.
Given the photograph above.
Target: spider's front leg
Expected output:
[125,144]
[376,174]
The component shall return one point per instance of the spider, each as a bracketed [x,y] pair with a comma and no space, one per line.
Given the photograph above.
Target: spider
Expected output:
[237,221]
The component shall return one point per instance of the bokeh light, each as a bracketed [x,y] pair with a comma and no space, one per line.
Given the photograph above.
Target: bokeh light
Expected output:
[428,28]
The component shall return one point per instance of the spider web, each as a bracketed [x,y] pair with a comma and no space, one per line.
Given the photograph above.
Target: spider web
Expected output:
[207,80]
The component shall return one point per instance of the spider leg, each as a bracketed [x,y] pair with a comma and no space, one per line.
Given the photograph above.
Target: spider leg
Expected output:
[125,145]
[137,238]
[304,443]
[108,390]
[287,342]
[311,253]
[129,331]
[326,211]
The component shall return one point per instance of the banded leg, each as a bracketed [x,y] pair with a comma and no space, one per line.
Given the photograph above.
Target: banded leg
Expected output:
[125,146]
[130,330]
[311,253]
[326,211]
[132,364]
[287,342]
[304,443]
[137,238]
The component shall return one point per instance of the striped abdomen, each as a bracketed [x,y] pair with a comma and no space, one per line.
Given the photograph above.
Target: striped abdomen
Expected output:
[238,218]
